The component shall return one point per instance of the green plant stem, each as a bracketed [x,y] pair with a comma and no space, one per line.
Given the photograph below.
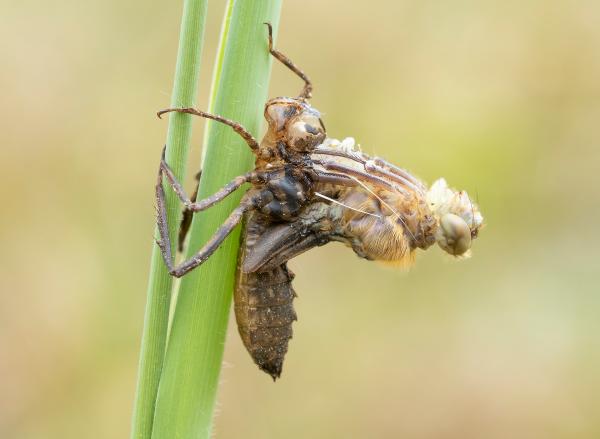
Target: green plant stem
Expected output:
[188,386]
[156,317]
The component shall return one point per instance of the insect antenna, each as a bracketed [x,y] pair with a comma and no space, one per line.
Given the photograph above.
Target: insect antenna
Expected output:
[345,205]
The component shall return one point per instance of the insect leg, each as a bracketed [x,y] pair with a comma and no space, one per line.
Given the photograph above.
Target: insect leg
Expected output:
[238,128]
[164,242]
[307,90]
[349,171]
[214,242]
[335,179]
[356,156]
[370,166]
[396,170]
[204,204]
[186,218]
[376,166]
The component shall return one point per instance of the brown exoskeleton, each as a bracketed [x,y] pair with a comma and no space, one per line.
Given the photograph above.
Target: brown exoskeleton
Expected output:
[308,190]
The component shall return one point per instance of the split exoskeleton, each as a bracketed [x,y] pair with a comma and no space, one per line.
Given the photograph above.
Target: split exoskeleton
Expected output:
[308,190]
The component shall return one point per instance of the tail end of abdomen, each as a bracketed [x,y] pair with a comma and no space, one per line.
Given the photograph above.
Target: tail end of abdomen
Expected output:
[264,312]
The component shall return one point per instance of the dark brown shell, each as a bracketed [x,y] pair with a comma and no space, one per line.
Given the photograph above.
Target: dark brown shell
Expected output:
[264,312]
[263,304]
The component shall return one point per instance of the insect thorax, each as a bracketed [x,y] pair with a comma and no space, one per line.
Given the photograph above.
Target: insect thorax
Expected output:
[289,189]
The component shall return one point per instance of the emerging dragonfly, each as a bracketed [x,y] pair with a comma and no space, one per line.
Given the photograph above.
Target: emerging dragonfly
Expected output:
[308,190]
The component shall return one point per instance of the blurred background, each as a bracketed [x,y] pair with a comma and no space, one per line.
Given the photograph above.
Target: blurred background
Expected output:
[502,98]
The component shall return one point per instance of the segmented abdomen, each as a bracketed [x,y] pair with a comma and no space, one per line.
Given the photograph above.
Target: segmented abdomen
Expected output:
[264,312]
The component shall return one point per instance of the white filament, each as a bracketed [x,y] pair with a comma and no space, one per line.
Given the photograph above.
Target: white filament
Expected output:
[345,205]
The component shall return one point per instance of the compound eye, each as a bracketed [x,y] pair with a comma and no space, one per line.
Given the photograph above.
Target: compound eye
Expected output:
[306,133]
[455,235]
[278,114]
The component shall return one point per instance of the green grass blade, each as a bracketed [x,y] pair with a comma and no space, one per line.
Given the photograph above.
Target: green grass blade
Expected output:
[156,317]
[189,382]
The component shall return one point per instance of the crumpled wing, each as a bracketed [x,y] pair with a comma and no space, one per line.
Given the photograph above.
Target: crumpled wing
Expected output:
[281,242]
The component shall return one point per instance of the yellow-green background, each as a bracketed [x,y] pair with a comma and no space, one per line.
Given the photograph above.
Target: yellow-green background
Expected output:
[500,97]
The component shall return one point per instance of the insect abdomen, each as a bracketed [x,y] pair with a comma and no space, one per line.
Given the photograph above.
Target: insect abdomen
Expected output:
[264,312]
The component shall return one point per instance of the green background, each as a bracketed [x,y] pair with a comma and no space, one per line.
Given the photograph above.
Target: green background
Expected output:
[501,98]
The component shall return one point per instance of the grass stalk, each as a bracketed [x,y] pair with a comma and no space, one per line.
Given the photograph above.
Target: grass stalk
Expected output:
[156,317]
[188,386]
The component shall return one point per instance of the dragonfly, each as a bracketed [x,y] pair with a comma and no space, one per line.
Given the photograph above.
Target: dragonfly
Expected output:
[306,190]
